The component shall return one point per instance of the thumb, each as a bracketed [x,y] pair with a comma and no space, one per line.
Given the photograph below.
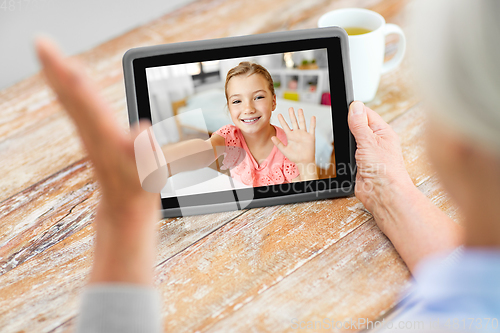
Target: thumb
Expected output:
[358,121]
[277,142]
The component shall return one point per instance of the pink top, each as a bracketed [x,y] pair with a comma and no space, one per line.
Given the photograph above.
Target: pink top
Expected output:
[275,169]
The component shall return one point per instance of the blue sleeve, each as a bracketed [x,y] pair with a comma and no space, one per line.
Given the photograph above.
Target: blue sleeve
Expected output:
[416,312]
[123,308]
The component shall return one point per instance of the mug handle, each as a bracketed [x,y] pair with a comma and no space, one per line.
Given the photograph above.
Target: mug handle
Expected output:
[396,60]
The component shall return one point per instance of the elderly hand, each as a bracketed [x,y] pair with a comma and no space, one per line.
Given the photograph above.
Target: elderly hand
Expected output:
[127,215]
[380,165]
[415,226]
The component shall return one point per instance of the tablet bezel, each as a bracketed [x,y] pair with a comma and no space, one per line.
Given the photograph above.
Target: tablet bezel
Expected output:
[334,39]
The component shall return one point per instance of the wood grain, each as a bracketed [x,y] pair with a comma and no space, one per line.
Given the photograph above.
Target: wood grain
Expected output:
[246,270]
[45,213]
[359,276]
[248,256]
[353,278]
[254,252]
[48,284]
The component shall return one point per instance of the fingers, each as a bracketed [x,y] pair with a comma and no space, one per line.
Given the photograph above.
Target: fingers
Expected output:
[51,58]
[312,128]
[302,120]
[135,130]
[365,123]
[92,116]
[284,124]
[277,142]
[293,120]
[301,124]
[358,122]
[375,121]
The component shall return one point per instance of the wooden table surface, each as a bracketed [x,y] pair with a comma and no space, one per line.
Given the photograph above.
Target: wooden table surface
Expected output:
[250,270]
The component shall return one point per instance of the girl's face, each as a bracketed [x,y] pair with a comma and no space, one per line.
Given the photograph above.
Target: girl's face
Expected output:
[250,102]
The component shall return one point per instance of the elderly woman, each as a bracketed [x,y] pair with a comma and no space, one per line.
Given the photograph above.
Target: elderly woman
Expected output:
[454,282]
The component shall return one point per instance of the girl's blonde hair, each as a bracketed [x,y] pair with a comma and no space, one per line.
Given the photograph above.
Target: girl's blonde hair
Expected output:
[249,68]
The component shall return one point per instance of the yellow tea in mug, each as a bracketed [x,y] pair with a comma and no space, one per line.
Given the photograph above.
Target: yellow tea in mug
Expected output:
[352,31]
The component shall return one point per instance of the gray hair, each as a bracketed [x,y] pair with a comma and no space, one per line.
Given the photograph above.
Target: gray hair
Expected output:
[457,55]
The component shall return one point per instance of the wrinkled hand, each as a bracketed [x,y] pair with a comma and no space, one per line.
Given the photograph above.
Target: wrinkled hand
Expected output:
[379,160]
[126,214]
[300,148]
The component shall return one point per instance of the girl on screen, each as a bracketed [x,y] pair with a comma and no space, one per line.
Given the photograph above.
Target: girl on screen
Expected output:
[274,155]
[256,152]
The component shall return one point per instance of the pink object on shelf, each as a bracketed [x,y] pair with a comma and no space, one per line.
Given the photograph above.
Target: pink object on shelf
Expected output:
[325,99]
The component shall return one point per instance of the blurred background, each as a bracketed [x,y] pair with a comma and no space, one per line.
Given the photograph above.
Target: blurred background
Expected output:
[76,25]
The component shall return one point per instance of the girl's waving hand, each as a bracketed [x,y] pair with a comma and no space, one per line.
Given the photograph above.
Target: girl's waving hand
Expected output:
[300,148]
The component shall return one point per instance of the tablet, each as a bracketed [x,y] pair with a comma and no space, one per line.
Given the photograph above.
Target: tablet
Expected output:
[181,88]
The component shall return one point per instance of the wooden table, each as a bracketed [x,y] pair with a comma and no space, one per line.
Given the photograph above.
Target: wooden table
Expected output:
[251,270]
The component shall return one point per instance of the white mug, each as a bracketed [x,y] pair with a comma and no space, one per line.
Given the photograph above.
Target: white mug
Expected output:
[367,50]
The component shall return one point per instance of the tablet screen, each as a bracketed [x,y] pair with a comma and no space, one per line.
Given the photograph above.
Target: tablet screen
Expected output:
[188,96]
[191,102]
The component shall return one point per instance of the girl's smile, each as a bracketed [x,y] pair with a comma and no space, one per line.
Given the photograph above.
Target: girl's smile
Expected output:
[250,121]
